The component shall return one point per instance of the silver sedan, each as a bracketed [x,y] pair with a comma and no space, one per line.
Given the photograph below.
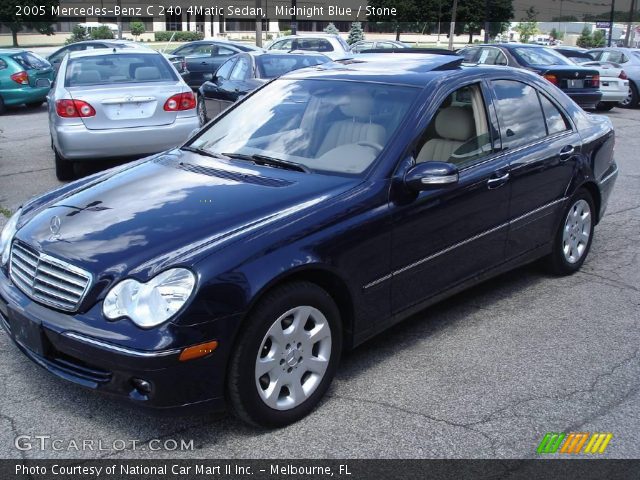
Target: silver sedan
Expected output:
[114,103]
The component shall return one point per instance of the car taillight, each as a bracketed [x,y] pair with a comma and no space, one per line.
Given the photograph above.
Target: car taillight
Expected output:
[180,101]
[74,109]
[595,81]
[552,78]
[623,75]
[21,77]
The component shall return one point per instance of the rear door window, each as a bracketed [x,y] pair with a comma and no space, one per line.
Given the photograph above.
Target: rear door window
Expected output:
[30,61]
[3,64]
[519,113]
[556,121]
[225,70]
[241,70]
[118,68]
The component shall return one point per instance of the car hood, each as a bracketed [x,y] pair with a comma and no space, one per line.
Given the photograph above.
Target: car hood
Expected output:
[171,209]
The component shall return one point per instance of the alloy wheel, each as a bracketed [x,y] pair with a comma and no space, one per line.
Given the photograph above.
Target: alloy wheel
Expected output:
[577,230]
[293,358]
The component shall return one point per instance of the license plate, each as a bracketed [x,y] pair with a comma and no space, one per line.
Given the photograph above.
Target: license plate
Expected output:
[576,83]
[43,82]
[27,333]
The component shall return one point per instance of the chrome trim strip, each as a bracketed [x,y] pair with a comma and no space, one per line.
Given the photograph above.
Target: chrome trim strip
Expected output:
[609,177]
[115,348]
[459,244]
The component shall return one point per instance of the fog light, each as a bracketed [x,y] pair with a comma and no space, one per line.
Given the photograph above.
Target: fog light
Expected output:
[142,386]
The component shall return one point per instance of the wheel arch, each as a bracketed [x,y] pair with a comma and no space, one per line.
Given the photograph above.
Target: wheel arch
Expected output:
[594,190]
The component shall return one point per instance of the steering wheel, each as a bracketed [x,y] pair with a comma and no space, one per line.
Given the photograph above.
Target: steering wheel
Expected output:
[375,146]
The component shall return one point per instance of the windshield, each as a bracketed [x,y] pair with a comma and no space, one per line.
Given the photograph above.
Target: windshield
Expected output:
[541,56]
[118,68]
[334,126]
[272,66]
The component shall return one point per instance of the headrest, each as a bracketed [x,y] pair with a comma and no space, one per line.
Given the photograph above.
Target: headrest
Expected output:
[88,76]
[455,123]
[359,106]
[147,73]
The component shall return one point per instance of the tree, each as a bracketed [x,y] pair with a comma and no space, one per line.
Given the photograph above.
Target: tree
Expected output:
[528,26]
[556,35]
[407,11]
[356,33]
[585,40]
[137,28]
[101,33]
[78,34]
[331,29]
[42,23]
[599,39]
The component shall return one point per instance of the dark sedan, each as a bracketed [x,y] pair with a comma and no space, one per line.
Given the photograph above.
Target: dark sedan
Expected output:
[244,73]
[310,216]
[580,83]
[204,57]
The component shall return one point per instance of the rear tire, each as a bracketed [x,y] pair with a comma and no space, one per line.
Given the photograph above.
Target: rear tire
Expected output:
[64,168]
[2,107]
[632,100]
[605,106]
[202,111]
[572,241]
[286,355]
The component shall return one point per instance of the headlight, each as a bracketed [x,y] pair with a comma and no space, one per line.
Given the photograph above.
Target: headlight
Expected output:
[152,303]
[7,235]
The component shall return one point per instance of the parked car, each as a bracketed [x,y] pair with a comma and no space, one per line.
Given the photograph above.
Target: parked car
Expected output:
[56,57]
[204,57]
[629,60]
[115,103]
[25,78]
[324,207]
[614,83]
[362,45]
[244,73]
[333,46]
[582,84]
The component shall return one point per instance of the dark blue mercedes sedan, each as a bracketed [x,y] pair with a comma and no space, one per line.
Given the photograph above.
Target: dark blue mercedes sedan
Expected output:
[324,207]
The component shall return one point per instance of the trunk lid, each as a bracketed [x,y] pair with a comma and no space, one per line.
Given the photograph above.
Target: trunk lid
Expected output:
[573,78]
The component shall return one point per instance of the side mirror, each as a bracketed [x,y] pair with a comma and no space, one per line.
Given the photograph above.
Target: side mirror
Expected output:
[426,175]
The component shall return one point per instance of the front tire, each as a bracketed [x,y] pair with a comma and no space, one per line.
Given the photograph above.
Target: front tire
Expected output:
[64,168]
[572,241]
[286,356]
[2,107]
[632,99]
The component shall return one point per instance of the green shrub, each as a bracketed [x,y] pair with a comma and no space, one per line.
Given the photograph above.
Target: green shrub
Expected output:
[137,28]
[101,33]
[78,34]
[179,36]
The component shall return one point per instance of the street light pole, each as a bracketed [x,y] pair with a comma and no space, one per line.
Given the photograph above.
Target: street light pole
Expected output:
[294,21]
[452,26]
[611,16]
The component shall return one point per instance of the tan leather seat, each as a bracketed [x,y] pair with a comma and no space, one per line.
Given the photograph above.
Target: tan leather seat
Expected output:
[455,126]
[357,128]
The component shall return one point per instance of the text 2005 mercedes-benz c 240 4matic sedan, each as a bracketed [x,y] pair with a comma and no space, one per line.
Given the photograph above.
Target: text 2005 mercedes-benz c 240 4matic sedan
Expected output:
[321,209]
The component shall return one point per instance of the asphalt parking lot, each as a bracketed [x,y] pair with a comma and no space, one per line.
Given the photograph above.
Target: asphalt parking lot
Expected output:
[485,374]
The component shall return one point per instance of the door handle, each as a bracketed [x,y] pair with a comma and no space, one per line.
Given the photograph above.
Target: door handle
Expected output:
[203,63]
[498,181]
[567,152]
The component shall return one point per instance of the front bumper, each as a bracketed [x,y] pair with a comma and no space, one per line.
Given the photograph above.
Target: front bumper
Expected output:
[76,142]
[72,348]
[24,94]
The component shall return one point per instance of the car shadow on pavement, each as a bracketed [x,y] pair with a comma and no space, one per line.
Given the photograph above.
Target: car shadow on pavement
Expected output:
[22,111]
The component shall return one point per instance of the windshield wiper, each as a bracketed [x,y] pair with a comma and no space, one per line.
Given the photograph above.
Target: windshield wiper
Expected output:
[269,161]
[206,153]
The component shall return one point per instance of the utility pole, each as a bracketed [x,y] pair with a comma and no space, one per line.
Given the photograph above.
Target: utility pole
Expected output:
[258,24]
[627,35]
[611,16]
[452,27]
[486,20]
[119,20]
[294,20]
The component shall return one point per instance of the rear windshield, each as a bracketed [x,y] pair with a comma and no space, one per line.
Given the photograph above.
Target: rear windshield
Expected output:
[272,66]
[540,56]
[29,61]
[118,68]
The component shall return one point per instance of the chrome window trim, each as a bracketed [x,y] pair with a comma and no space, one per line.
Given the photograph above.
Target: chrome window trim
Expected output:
[459,244]
[118,349]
